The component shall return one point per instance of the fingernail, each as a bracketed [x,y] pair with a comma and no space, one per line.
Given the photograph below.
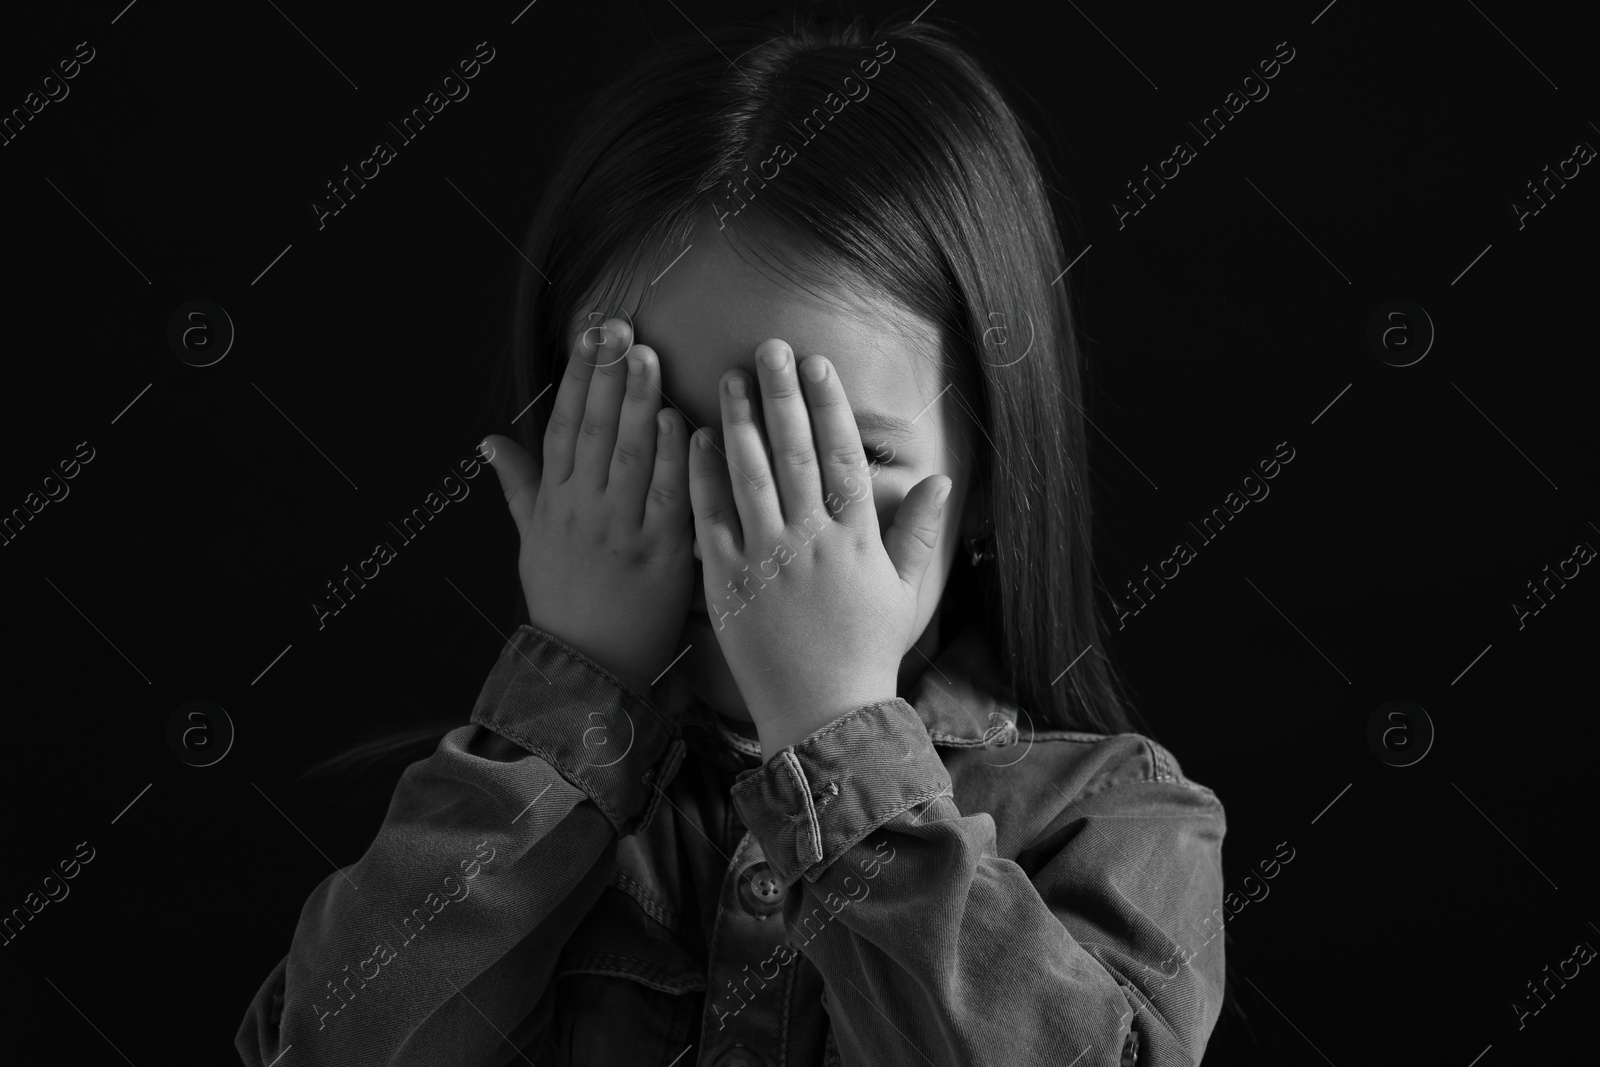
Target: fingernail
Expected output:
[775,357]
[816,369]
[635,366]
[940,494]
[705,439]
[736,386]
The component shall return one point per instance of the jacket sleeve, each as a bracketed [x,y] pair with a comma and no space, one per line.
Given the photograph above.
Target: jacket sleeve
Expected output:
[935,950]
[438,944]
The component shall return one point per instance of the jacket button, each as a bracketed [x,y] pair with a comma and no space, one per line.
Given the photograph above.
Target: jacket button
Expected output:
[740,1056]
[760,892]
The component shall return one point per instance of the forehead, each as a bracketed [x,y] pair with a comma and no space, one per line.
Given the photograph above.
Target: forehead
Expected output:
[710,309]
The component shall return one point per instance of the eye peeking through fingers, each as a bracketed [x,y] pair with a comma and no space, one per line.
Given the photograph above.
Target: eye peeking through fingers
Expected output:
[878,454]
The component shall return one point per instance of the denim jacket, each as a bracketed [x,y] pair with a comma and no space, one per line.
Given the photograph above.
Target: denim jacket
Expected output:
[586,876]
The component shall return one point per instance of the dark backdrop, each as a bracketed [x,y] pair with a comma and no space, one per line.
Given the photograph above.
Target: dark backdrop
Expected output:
[1229,315]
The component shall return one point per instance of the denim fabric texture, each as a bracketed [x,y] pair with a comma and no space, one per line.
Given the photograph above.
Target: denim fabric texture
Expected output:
[587,876]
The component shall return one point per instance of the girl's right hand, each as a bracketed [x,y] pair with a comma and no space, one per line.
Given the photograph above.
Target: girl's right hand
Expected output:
[607,532]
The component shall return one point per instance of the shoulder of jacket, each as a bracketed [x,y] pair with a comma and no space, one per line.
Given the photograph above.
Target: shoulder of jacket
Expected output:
[1098,762]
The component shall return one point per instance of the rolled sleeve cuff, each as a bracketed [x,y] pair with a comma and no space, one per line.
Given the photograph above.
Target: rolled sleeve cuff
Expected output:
[812,802]
[547,697]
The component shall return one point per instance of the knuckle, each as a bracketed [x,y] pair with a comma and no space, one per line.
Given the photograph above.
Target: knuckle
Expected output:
[800,456]
[665,495]
[593,426]
[844,457]
[559,425]
[782,389]
[627,453]
[631,554]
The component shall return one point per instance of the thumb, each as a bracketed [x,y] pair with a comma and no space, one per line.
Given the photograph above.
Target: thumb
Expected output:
[518,473]
[914,535]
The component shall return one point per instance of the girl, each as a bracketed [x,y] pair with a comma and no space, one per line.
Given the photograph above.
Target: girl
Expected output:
[771,774]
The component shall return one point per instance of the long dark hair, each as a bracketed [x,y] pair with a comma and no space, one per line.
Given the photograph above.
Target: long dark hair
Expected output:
[924,189]
[909,175]
[924,186]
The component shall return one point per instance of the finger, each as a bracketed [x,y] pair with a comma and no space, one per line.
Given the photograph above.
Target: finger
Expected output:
[716,516]
[667,505]
[846,482]
[750,472]
[561,432]
[597,433]
[634,458]
[914,536]
[518,474]
[788,424]
[601,332]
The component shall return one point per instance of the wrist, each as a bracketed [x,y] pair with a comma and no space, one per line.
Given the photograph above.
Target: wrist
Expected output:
[786,729]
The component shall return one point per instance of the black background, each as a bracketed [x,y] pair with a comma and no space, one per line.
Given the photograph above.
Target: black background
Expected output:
[1380,566]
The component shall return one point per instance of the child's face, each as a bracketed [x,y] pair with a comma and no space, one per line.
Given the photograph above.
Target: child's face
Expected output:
[707,313]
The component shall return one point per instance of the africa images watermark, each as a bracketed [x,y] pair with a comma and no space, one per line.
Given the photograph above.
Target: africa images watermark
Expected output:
[783,553]
[812,925]
[1550,183]
[55,489]
[1232,904]
[1250,488]
[453,87]
[39,899]
[1551,583]
[50,89]
[1567,969]
[1209,129]
[782,155]
[384,953]
[410,528]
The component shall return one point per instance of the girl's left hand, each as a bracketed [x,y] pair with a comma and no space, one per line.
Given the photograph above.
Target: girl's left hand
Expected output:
[825,604]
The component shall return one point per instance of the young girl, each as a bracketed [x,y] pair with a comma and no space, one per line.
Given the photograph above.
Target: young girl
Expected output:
[801,757]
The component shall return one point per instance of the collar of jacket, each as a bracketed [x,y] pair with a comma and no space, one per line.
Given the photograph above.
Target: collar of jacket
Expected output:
[955,696]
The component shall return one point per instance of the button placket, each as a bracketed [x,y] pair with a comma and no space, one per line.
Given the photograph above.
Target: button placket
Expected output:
[744,1009]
